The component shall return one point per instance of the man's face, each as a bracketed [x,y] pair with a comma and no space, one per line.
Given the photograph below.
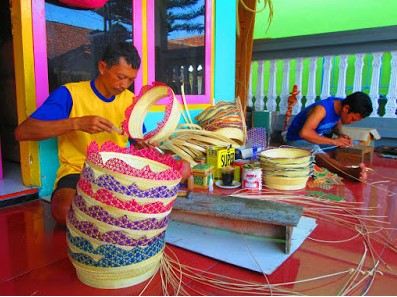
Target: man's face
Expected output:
[118,77]
[349,118]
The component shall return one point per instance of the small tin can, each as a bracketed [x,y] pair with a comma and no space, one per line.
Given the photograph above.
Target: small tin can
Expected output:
[252,177]
[237,173]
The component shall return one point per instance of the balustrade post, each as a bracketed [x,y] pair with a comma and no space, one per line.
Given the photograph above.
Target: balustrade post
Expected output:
[260,92]
[374,88]
[272,92]
[311,87]
[326,85]
[250,95]
[341,92]
[391,106]
[358,72]
[285,86]
[298,81]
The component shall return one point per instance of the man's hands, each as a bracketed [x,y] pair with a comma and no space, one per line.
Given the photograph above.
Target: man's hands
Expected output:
[93,124]
[141,144]
[343,140]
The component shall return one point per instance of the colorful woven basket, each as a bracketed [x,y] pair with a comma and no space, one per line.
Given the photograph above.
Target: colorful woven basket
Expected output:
[118,218]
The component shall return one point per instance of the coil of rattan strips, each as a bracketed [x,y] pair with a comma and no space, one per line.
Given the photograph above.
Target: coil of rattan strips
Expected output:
[210,111]
[148,98]
[226,118]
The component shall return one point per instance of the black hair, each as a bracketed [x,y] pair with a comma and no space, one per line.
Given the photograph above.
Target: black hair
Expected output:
[114,51]
[359,102]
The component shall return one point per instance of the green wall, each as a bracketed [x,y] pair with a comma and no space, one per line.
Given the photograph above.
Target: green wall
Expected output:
[305,17]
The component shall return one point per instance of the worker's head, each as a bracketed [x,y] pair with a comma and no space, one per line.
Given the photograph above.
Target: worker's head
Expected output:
[356,107]
[119,67]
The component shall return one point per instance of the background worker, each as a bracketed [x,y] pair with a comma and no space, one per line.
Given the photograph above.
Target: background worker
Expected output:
[313,128]
[82,112]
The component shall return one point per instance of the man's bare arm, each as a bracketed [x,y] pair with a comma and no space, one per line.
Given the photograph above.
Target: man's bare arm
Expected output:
[33,129]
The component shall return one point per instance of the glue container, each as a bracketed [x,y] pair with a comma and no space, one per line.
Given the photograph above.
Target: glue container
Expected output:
[211,183]
[190,182]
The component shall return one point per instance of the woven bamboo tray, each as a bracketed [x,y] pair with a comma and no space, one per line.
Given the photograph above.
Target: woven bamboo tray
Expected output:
[285,183]
[288,173]
[286,168]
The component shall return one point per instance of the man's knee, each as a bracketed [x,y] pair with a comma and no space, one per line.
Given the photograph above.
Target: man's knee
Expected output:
[62,197]
[60,204]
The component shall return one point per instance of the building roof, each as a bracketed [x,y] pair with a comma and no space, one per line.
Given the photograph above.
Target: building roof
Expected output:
[64,38]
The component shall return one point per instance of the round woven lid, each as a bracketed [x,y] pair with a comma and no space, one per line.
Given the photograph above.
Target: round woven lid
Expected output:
[147,98]
[285,155]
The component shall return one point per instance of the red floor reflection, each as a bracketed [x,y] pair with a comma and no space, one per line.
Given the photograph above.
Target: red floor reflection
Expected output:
[34,261]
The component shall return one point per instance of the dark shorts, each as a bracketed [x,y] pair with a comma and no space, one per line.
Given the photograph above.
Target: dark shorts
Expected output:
[68,181]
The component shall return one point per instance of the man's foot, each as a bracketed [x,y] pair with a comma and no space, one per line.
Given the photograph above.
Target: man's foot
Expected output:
[354,173]
[358,172]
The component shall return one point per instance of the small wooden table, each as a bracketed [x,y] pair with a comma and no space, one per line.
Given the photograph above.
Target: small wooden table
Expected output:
[241,215]
[355,154]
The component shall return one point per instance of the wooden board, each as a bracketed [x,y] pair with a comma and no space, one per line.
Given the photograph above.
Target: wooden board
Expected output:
[354,155]
[247,216]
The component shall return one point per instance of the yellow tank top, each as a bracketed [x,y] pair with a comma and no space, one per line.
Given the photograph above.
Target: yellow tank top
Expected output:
[72,147]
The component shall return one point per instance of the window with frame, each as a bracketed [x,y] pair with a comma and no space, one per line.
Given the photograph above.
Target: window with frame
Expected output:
[77,37]
[180,41]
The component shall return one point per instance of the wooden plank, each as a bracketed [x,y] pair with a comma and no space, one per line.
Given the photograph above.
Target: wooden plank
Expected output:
[247,216]
[354,155]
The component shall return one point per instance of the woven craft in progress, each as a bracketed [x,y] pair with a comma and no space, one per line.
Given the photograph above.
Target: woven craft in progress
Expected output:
[118,218]
[148,97]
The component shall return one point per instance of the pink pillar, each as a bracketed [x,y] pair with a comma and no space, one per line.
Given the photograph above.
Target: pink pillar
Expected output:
[1,163]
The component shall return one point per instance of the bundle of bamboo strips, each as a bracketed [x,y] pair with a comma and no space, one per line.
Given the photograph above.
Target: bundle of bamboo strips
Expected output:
[192,143]
[219,125]
[225,118]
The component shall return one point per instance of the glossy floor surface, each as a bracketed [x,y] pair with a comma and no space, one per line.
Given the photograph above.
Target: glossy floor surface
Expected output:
[351,251]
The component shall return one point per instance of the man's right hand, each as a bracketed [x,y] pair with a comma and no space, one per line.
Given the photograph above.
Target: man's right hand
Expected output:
[93,124]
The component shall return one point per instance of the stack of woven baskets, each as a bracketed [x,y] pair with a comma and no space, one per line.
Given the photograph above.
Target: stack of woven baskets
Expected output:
[116,224]
[286,168]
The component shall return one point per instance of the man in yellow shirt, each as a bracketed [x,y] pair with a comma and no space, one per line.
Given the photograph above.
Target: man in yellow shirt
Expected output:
[78,113]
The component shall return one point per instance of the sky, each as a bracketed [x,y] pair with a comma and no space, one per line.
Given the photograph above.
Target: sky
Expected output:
[75,17]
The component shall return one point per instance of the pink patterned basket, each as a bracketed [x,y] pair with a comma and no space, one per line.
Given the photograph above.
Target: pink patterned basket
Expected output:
[148,97]
[118,218]
[88,4]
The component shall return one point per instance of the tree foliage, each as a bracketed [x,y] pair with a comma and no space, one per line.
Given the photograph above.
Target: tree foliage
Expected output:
[182,13]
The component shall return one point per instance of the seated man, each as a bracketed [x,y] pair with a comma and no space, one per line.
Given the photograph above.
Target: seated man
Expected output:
[81,112]
[311,126]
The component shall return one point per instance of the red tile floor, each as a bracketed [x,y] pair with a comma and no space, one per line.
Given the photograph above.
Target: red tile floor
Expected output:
[34,261]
